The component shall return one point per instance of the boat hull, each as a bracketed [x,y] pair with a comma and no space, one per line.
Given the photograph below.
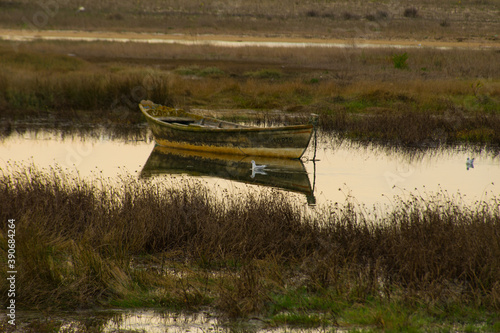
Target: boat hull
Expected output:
[283,142]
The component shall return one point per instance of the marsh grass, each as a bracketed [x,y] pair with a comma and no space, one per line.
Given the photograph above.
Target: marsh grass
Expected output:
[370,100]
[265,74]
[399,60]
[86,243]
[412,128]
[213,72]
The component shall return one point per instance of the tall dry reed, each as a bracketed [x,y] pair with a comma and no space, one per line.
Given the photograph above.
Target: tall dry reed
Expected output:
[76,241]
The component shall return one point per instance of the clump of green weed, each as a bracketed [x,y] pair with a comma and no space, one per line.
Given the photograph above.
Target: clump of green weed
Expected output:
[24,60]
[202,72]
[399,60]
[265,74]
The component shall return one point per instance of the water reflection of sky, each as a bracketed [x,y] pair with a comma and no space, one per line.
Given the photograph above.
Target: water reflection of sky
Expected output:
[368,172]
[371,174]
[148,320]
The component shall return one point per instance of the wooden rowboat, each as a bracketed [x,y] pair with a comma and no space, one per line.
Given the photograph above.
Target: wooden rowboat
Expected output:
[179,129]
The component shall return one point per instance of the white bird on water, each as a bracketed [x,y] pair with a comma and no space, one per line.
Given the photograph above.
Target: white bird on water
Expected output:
[469,163]
[258,169]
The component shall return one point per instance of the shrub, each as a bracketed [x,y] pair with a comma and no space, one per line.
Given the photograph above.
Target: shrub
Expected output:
[265,74]
[444,23]
[370,17]
[350,16]
[382,14]
[328,14]
[379,15]
[399,60]
[411,12]
[312,13]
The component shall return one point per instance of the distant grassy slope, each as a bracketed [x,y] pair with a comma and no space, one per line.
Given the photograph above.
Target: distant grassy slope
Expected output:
[420,19]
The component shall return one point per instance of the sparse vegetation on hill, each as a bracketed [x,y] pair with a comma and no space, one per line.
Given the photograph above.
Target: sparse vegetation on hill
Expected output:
[474,20]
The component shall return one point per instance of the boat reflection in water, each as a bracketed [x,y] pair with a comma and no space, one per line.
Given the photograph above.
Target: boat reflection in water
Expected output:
[287,174]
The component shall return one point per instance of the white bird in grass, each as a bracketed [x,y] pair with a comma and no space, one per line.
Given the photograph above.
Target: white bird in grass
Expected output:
[469,163]
[258,169]
[81,9]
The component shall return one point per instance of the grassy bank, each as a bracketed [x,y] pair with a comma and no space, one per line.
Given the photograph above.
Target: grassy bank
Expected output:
[427,264]
[417,97]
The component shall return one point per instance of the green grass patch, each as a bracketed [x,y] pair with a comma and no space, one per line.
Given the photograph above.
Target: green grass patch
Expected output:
[302,319]
[389,317]
[303,300]
[265,74]
[357,105]
[40,61]
[479,103]
[212,72]
[479,135]
[137,301]
[399,60]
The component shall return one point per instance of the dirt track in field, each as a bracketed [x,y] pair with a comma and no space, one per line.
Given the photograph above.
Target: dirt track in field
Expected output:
[234,41]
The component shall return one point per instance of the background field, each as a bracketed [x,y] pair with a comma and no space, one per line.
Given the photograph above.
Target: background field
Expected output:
[453,20]
[413,96]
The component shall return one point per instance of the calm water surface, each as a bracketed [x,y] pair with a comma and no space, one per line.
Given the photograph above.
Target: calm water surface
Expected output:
[151,321]
[370,174]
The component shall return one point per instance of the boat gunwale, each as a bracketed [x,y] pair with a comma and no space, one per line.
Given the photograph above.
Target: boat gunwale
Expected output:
[201,128]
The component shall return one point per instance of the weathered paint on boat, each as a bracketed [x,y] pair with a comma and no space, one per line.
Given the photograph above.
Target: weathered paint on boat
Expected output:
[178,129]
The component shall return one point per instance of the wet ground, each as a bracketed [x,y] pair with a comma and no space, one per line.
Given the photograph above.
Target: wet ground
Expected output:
[148,320]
